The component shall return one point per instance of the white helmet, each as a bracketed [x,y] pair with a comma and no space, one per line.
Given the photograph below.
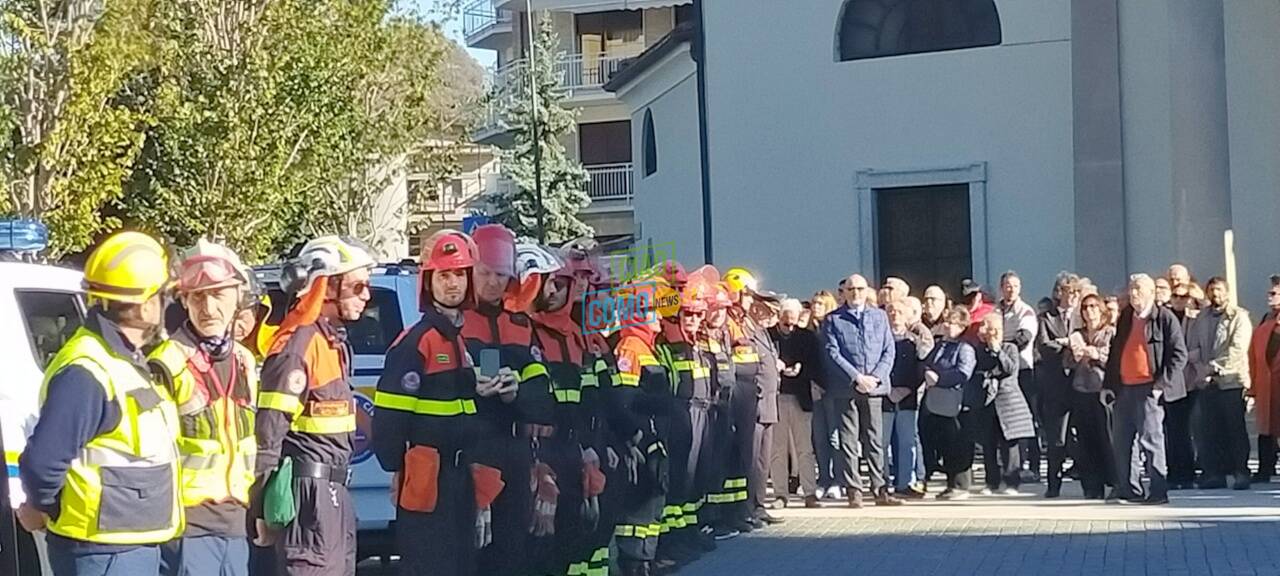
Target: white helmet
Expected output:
[534,259]
[325,256]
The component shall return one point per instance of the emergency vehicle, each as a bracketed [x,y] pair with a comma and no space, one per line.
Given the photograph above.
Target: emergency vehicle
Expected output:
[41,306]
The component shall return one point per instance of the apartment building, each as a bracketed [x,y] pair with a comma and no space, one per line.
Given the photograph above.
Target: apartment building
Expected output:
[597,38]
[942,139]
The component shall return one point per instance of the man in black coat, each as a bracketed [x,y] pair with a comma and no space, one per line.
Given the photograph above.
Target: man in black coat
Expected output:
[1148,355]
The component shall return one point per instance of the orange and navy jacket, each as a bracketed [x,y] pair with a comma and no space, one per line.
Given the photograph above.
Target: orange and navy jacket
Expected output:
[305,404]
[643,390]
[598,387]
[687,367]
[427,393]
[564,353]
[487,326]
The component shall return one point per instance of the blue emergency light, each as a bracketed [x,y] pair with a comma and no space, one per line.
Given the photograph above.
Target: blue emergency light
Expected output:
[23,235]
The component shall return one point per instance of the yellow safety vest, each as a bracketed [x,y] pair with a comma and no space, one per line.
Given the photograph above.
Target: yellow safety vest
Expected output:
[216,442]
[123,487]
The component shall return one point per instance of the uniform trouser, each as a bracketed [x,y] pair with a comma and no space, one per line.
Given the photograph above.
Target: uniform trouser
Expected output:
[860,420]
[1220,428]
[640,522]
[686,438]
[1031,447]
[826,441]
[553,554]
[1267,452]
[762,446]
[442,542]
[793,431]
[66,560]
[1178,445]
[722,495]
[1138,414]
[901,438]
[1001,458]
[205,556]
[511,511]
[321,541]
[744,410]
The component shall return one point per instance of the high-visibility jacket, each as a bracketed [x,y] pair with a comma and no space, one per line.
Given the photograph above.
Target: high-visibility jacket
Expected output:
[687,367]
[217,440]
[123,488]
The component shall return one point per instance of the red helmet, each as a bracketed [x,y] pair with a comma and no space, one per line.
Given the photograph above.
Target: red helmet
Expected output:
[496,245]
[695,295]
[448,250]
[674,273]
[721,299]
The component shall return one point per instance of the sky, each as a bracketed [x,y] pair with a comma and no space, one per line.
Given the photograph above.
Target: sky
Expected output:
[453,27]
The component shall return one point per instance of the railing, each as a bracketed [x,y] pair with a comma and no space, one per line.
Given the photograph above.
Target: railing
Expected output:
[578,73]
[610,182]
[480,15]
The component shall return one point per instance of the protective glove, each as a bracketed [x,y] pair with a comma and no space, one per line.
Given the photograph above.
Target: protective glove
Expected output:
[590,512]
[635,463]
[484,527]
[542,482]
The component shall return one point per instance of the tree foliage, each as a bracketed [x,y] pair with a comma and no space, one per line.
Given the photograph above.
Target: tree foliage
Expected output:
[258,122]
[564,180]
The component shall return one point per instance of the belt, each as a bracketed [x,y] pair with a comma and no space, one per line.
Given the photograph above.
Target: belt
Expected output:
[336,474]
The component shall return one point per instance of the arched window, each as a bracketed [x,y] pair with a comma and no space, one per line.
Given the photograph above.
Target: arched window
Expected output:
[650,145]
[880,28]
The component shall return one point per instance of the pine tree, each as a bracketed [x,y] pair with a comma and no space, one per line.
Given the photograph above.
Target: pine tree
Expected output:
[564,180]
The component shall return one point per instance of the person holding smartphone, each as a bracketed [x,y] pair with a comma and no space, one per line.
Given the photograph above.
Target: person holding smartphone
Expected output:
[425,426]
[517,408]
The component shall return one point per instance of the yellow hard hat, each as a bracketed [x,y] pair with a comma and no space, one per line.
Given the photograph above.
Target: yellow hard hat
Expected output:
[128,267]
[739,278]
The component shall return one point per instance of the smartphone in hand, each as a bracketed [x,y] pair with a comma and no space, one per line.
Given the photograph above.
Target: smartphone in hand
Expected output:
[490,362]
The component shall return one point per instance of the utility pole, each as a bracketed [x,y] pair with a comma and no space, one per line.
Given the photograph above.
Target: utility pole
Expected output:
[537,136]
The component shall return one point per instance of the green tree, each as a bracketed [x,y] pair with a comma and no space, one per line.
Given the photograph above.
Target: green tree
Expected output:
[70,107]
[564,181]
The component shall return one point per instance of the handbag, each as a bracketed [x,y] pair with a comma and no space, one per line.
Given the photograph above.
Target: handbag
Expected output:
[944,402]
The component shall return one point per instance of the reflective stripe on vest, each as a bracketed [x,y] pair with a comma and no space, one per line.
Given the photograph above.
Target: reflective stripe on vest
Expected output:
[217,461]
[423,406]
[123,488]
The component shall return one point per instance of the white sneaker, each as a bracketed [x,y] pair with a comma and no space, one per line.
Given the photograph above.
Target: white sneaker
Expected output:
[820,493]
[985,492]
[955,495]
[835,493]
[1010,492]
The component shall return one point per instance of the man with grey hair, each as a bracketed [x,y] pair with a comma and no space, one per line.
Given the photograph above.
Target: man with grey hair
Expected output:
[894,288]
[799,353]
[1148,356]
[935,303]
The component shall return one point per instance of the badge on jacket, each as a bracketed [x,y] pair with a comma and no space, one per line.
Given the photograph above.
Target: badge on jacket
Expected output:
[411,381]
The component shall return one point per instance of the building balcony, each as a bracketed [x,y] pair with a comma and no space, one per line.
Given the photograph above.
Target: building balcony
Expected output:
[585,6]
[611,186]
[485,26]
[583,77]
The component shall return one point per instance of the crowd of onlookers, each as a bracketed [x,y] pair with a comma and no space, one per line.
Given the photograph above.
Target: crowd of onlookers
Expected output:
[1141,392]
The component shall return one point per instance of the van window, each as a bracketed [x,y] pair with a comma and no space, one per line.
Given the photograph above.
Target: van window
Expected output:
[380,325]
[51,319]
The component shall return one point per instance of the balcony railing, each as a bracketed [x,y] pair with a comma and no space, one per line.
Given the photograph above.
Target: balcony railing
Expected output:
[579,74]
[610,182]
[479,15]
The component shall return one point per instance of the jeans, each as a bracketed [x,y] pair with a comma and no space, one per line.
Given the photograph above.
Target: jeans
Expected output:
[1138,414]
[793,430]
[826,441]
[67,561]
[901,438]
[205,556]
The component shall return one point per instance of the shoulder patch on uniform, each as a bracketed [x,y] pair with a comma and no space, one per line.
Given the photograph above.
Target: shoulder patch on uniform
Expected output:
[536,352]
[295,382]
[411,381]
[624,364]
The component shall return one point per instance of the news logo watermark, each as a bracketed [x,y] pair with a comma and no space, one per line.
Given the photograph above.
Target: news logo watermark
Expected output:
[634,304]
[627,265]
